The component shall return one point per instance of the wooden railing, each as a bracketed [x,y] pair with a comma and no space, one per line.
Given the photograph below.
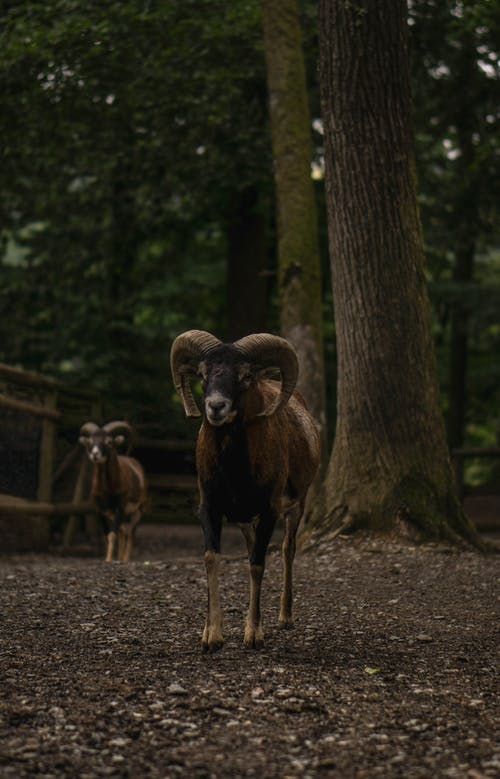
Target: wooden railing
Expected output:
[55,407]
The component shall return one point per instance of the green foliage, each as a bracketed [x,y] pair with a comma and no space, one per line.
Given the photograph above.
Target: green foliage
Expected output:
[127,128]
[455,70]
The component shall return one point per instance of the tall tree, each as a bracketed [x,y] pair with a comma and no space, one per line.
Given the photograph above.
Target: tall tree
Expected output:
[390,465]
[299,269]
[247,262]
[129,132]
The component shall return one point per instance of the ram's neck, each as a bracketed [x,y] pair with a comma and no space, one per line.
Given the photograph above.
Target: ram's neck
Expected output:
[107,476]
[217,445]
[259,396]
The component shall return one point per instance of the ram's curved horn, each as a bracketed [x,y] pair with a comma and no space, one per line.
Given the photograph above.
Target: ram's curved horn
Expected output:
[88,429]
[271,351]
[112,428]
[188,350]
[120,427]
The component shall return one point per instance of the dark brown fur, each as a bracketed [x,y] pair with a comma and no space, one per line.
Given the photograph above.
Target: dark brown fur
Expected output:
[119,492]
[121,477]
[279,456]
[277,451]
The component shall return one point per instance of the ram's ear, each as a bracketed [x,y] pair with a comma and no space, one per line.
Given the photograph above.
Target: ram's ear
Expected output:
[269,373]
[119,440]
[83,440]
[272,351]
[202,372]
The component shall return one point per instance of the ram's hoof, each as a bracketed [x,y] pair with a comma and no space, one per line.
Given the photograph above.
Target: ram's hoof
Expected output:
[211,642]
[285,623]
[254,637]
[212,647]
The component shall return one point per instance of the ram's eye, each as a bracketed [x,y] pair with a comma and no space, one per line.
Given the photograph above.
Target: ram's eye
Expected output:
[108,440]
[246,378]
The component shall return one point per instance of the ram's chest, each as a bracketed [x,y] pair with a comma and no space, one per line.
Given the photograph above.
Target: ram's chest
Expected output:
[109,501]
[233,482]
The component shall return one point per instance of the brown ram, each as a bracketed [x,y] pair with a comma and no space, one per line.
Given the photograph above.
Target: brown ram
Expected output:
[118,485]
[257,454]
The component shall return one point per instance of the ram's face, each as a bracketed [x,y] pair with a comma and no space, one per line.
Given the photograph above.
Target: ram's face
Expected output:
[223,384]
[98,446]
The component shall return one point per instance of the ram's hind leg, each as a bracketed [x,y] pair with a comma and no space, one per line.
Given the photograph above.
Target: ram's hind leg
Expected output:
[292,520]
[248,530]
[122,541]
[111,539]
[130,529]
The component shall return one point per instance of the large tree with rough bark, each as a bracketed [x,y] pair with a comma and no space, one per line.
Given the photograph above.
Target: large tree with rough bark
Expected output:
[390,466]
[299,267]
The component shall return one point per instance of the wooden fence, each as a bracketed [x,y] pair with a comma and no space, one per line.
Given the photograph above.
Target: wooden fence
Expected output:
[45,475]
[38,417]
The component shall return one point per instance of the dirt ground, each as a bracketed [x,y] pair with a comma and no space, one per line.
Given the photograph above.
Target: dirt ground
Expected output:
[390,670]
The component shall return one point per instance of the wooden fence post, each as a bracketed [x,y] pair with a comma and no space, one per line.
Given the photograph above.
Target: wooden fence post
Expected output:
[72,523]
[41,528]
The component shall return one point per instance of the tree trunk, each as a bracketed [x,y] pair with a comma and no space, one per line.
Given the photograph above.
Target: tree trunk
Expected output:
[390,466]
[247,279]
[299,272]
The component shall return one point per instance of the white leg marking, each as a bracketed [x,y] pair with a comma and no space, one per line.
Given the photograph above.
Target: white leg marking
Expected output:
[213,639]
[111,547]
[254,634]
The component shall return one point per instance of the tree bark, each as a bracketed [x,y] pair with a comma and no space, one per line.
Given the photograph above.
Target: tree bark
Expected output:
[390,466]
[299,268]
[247,279]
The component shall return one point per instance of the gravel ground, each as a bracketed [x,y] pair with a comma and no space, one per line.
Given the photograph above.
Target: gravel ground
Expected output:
[390,670]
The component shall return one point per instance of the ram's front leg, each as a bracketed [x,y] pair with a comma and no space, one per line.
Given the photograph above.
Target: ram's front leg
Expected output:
[122,531]
[115,521]
[254,634]
[212,638]
[110,550]
[107,522]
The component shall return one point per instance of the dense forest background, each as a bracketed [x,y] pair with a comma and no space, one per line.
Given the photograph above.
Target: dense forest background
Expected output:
[137,195]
